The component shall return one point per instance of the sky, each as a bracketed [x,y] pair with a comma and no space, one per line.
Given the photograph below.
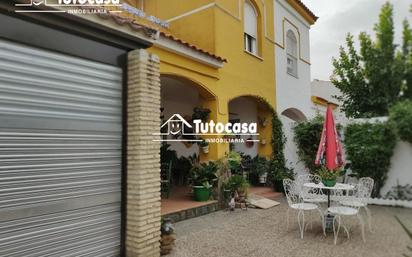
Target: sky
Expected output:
[339,17]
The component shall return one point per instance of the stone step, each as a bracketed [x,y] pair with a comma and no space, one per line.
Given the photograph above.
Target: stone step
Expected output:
[192,212]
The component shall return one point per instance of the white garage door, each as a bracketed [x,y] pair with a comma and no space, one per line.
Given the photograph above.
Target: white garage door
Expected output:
[60,154]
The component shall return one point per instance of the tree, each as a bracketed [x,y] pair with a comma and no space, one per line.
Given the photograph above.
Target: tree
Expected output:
[371,80]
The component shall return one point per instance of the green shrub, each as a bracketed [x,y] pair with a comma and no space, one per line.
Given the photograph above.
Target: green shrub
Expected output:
[400,115]
[307,137]
[369,147]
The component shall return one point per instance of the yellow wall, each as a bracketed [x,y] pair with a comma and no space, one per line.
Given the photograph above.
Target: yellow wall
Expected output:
[166,9]
[219,29]
[203,37]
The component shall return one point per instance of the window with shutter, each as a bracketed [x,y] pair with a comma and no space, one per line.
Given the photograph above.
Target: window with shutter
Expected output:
[250,25]
[291,54]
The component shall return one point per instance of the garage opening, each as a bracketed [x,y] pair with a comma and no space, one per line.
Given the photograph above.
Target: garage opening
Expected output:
[60,154]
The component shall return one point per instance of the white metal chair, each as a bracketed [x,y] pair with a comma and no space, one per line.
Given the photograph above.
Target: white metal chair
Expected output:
[311,195]
[362,195]
[341,211]
[296,203]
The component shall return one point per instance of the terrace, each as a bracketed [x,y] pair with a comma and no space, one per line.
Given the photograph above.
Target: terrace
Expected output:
[262,233]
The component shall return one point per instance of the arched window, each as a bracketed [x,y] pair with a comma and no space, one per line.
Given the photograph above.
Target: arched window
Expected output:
[250,24]
[291,53]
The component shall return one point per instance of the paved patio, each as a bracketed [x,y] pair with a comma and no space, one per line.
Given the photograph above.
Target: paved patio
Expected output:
[181,198]
[262,233]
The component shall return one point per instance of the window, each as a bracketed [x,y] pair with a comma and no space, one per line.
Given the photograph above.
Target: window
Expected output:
[250,24]
[291,53]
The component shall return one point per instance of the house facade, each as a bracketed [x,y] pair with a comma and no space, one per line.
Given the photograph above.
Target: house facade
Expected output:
[292,50]
[82,101]
[241,34]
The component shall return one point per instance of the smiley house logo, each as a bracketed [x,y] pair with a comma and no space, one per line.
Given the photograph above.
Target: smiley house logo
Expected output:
[37,2]
[177,126]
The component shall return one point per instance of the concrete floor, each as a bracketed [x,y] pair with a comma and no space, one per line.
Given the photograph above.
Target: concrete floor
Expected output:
[262,233]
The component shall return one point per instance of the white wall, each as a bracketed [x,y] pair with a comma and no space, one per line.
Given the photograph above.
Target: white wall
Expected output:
[327,91]
[401,167]
[174,101]
[291,148]
[244,109]
[292,92]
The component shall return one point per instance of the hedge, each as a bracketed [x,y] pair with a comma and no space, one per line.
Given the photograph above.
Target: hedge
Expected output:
[370,147]
[400,115]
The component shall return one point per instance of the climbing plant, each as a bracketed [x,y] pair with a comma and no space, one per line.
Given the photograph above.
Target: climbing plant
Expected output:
[370,147]
[307,137]
[278,169]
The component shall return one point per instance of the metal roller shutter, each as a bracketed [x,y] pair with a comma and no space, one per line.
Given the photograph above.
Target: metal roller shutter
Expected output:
[60,154]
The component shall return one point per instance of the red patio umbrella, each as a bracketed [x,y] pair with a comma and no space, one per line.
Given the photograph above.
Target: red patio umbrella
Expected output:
[330,152]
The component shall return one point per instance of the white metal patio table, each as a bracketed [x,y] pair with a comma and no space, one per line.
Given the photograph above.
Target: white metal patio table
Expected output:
[338,186]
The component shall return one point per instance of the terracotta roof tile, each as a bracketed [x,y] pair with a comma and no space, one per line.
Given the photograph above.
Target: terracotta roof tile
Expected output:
[192,46]
[301,4]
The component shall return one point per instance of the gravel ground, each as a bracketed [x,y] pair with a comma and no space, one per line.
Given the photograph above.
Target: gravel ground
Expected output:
[262,233]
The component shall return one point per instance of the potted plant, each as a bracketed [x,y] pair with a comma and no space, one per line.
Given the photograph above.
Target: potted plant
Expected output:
[278,172]
[203,179]
[238,185]
[200,113]
[204,145]
[328,176]
[262,167]
[234,160]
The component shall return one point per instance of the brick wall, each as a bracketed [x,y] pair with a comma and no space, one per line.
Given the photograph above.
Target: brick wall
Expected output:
[143,158]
